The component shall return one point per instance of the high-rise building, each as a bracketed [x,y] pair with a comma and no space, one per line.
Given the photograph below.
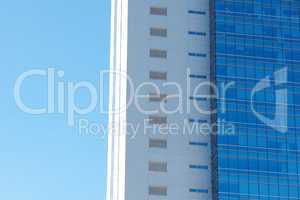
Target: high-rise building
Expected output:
[204,100]
[258,49]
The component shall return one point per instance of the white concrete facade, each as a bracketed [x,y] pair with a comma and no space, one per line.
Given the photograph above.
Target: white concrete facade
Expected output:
[184,44]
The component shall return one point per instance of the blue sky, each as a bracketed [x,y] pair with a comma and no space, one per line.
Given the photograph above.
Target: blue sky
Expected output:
[41,157]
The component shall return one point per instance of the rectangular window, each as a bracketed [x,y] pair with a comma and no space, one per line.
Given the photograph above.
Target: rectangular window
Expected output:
[157,97]
[197,120]
[158,75]
[197,12]
[197,54]
[157,119]
[157,53]
[197,33]
[198,76]
[198,143]
[160,32]
[158,190]
[194,190]
[198,166]
[158,143]
[158,166]
[158,11]
[198,98]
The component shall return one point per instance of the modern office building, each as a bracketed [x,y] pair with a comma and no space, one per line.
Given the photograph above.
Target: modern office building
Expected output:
[257,46]
[230,68]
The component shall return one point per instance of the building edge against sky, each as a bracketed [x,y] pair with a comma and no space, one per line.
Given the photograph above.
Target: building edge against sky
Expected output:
[117,98]
[157,41]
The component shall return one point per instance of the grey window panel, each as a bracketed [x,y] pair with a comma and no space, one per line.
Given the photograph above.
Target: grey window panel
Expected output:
[158,143]
[158,166]
[157,53]
[159,11]
[157,120]
[161,32]
[155,75]
[158,190]
[157,97]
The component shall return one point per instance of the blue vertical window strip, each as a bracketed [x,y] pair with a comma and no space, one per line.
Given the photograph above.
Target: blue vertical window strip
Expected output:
[254,39]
